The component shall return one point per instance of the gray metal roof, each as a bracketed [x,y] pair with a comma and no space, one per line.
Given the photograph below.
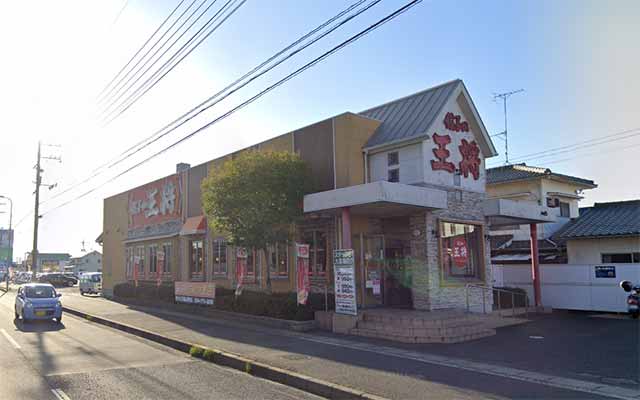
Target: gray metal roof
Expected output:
[409,116]
[620,218]
[517,172]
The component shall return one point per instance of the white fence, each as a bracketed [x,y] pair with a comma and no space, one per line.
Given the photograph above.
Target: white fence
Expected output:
[573,287]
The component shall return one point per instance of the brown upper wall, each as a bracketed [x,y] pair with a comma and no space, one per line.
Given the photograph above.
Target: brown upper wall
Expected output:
[314,144]
[351,133]
[195,175]
[114,230]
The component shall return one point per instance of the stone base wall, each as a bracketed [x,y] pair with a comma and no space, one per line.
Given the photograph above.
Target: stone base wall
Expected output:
[430,292]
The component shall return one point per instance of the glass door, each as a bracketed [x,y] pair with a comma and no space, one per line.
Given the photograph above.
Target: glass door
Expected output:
[373,262]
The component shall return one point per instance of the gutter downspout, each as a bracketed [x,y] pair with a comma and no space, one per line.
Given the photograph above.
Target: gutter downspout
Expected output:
[366,166]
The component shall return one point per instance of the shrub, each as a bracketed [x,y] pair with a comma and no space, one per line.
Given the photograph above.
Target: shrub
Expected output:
[196,351]
[124,290]
[208,355]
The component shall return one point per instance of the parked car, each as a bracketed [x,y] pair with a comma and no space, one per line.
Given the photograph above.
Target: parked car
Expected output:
[91,282]
[38,301]
[57,280]
[22,277]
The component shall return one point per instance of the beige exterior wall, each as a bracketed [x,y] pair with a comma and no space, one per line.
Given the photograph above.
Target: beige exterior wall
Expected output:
[589,251]
[351,133]
[115,224]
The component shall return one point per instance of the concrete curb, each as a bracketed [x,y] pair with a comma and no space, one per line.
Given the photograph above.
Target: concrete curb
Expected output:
[289,378]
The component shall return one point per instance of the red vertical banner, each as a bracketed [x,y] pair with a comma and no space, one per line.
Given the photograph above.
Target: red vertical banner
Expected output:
[159,266]
[136,263]
[241,268]
[302,265]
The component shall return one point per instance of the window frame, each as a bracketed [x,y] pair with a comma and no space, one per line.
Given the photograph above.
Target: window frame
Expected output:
[140,250]
[396,154]
[479,277]
[166,263]
[274,250]
[220,269]
[634,257]
[313,253]
[567,207]
[196,274]
[393,179]
[153,259]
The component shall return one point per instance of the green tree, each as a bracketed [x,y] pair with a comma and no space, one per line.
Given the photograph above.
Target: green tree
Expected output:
[256,198]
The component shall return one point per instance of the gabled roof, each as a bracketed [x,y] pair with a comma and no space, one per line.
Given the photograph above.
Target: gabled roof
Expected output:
[519,172]
[620,218]
[410,116]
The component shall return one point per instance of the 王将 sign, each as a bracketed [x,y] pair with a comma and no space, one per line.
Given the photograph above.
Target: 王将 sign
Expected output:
[155,203]
[345,282]
[195,292]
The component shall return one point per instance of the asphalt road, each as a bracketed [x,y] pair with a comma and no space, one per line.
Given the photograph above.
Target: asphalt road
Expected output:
[81,360]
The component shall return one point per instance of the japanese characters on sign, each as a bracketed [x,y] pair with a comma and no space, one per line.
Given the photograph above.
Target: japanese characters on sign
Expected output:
[345,282]
[460,252]
[155,203]
[195,292]
[469,151]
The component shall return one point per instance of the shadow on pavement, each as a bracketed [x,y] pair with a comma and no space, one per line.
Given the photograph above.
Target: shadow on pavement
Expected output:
[38,326]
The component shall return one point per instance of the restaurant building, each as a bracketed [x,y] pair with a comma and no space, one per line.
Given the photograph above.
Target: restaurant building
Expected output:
[402,184]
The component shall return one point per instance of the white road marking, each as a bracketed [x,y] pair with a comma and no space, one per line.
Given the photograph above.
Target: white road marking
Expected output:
[10,339]
[60,395]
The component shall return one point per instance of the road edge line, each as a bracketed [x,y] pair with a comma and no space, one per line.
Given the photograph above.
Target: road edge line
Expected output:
[296,380]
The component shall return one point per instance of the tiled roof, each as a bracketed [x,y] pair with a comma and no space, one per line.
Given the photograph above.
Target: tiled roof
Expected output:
[409,116]
[517,172]
[620,218]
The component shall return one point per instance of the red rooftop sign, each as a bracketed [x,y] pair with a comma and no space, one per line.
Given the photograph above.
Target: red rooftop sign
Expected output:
[469,151]
[155,202]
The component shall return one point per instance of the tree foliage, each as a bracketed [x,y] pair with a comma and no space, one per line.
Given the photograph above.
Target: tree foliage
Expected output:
[256,197]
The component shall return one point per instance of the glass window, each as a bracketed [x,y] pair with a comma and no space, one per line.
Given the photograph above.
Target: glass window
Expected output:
[317,241]
[141,260]
[166,263]
[251,262]
[622,258]
[461,251]
[153,258]
[279,259]
[394,175]
[565,210]
[196,259]
[220,257]
[393,159]
[40,292]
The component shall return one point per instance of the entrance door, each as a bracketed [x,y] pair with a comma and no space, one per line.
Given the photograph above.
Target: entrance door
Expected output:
[397,277]
[369,260]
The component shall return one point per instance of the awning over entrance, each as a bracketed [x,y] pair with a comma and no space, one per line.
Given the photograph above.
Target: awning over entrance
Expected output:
[194,226]
[514,212]
[374,197]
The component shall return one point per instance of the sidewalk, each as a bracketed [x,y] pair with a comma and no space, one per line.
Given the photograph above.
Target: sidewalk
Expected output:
[379,367]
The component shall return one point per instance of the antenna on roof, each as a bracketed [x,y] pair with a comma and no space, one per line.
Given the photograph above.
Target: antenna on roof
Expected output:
[503,135]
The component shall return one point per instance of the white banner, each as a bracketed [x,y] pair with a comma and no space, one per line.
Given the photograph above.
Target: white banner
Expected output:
[345,282]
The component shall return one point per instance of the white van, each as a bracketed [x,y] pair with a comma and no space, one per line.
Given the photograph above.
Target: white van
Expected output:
[90,282]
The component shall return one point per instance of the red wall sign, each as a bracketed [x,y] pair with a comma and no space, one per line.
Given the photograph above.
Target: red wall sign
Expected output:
[460,252]
[155,202]
[470,152]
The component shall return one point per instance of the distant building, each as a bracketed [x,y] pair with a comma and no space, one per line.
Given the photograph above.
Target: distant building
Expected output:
[90,262]
[49,262]
[559,193]
[607,233]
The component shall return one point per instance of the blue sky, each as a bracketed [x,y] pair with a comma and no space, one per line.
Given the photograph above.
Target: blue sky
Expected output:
[577,61]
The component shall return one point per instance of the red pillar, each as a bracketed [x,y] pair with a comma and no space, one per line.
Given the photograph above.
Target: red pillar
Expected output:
[535,269]
[346,228]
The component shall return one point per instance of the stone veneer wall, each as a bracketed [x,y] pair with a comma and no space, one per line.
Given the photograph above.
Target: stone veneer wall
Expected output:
[429,293]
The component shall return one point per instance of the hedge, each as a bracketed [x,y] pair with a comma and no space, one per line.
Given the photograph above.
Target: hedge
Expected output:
[275,305]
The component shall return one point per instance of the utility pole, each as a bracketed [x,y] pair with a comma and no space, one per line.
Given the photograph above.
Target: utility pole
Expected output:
[503,135]
[36,214]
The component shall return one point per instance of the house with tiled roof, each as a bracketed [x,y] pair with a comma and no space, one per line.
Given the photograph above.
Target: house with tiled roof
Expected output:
[604,233]
[560,193]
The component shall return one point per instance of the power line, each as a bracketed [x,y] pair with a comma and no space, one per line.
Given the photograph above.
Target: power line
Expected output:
[125,154]
[117,87]
[298,71]
[580,145]
[596,154]
[139,50]
[110,117]
[115,21]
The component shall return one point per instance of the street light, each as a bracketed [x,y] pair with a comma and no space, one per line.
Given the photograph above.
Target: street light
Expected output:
[10,236]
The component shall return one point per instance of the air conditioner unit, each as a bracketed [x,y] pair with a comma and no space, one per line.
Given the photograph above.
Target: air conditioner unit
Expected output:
[552,202]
